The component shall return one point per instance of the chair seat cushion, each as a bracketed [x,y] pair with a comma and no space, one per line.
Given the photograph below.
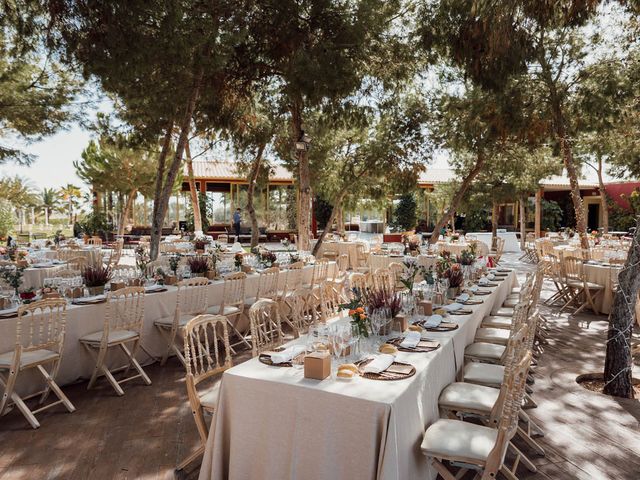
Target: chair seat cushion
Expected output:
[116,336]
[168,321]
[468,397]
[249,301]
[504,312]
[579,284]
[27,359]
[492,335]
[459,440]
[510,302]
[209,398]
[228,310]
[514,295]
[484,374]
[483,350]
[516,290]
[497,322]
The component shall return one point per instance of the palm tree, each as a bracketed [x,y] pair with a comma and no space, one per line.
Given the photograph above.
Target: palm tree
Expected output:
[69,193]
[49,201]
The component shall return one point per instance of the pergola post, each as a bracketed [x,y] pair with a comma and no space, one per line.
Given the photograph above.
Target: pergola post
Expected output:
[538,221]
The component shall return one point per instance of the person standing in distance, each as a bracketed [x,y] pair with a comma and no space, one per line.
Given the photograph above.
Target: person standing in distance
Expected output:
[237,218]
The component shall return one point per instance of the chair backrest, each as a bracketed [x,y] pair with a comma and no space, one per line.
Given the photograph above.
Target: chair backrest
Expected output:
[298,316]
[266,330]
[396,269]
[203,337]
[233,291]
[124,271]
[320,272]
[223,238]
[77,262]
[378,261]
[125,311]
[572,267]
[383,279]
[359,281]
[41,325]
[66,273]
[329,301]
[361,251]
[192,297]
[508,423]
[330,255]
[268,283]
[293,277]
[116,254]
[94,241]
[343,264]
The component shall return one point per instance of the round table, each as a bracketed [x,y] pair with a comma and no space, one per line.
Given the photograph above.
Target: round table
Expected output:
[602,275]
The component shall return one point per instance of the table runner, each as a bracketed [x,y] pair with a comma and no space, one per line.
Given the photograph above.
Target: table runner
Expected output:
[84,319]
[273,423]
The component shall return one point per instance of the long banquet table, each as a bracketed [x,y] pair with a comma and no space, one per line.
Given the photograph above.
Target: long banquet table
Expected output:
[273,423]
[84,319]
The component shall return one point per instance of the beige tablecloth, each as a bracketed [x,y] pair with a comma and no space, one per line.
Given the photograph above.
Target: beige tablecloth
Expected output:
[272,423]
[349,248]
[84,319]
[602,275]
[33,277]
[453,248]
[383,261]
[93,255]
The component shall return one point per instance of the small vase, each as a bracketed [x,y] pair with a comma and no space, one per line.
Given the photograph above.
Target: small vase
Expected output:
[452,292]
[98,290]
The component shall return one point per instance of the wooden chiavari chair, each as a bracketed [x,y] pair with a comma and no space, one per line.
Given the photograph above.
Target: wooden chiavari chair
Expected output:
[94,241]
[383,279]
[77,262]
[297,313]
[481,447]
[204,338]
[266,330]
[122,326]
[232,305]
[362,258]
[40,332]
[192,301]
[582,292]
[329,301]
[497,255]
[378,261]
[116,253]
[359,281]
[397,270]
[267,286]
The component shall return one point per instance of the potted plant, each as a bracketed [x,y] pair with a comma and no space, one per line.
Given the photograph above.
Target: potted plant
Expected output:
[200,244]
[95,278]
[13,276]
[267,258]
[199,266]
[238,259]
[456,280]
[142,259]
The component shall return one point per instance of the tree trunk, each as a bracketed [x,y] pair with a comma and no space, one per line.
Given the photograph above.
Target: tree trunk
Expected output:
[304,178]
[340,221]
[166,146]
[253,177]
[494,224]
[163,194]
[337,207]
[46,216]
[618,363]
[448,212]
[125,212]
[604,204]
[70,210]
[523,221]
[195,201]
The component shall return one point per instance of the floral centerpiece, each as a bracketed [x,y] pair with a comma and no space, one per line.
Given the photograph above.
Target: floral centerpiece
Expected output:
[456,278]
[238,260]
[200,243]
[199,266]
[357,313]
[142,259]
[174,263]
[13,276]
[286,243]
[466,257]
[160,276]
[58,237]
[27,295]
[95,278]
[267,258]
[409,274]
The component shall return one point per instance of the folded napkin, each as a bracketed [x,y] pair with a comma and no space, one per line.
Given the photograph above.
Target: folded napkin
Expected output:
[462,298]
[379,364]
[433,321]
[287,354]
[491,276]
[483,281]
[452,307]
[473,288]
[411,339]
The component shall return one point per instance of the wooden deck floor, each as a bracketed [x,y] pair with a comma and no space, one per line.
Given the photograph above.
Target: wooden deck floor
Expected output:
[144,434]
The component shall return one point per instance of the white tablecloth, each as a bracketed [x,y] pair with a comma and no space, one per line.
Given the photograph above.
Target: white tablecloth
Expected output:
[84,319]
[601,274]
[33,277]
[272,423]
[511,242]
[349,248]
[92,254]
[383,261]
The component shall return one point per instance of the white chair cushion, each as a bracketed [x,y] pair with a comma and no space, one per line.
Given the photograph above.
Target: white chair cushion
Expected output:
[249,301]
[504,312]
[516,290]
[215,310]
[579,284]
[115,336]
[168,321]
[493,335]
[461,440]
[497,322]
[484,374]
[33,357]
[510,302]
[489,351]
[209,398]
[468,397]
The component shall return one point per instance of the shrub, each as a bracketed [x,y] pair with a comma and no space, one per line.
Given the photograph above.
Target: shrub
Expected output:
[405,214]
[551,215]
[206,212]
[7,218]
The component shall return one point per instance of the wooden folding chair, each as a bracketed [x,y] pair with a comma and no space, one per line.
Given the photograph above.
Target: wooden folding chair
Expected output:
[232,305]
[204,337]
[297,314]
[122,326]
[40,331]
[192,301]
[266,330]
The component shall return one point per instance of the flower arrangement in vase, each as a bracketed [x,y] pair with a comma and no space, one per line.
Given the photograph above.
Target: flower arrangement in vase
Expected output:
[174,263]
[357,313]
[27,295]
[199,266]
[13,276]
[95,278]
[267,258]
[238,260]
[200,244]
[409,274]
[142,259]
[456,279]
